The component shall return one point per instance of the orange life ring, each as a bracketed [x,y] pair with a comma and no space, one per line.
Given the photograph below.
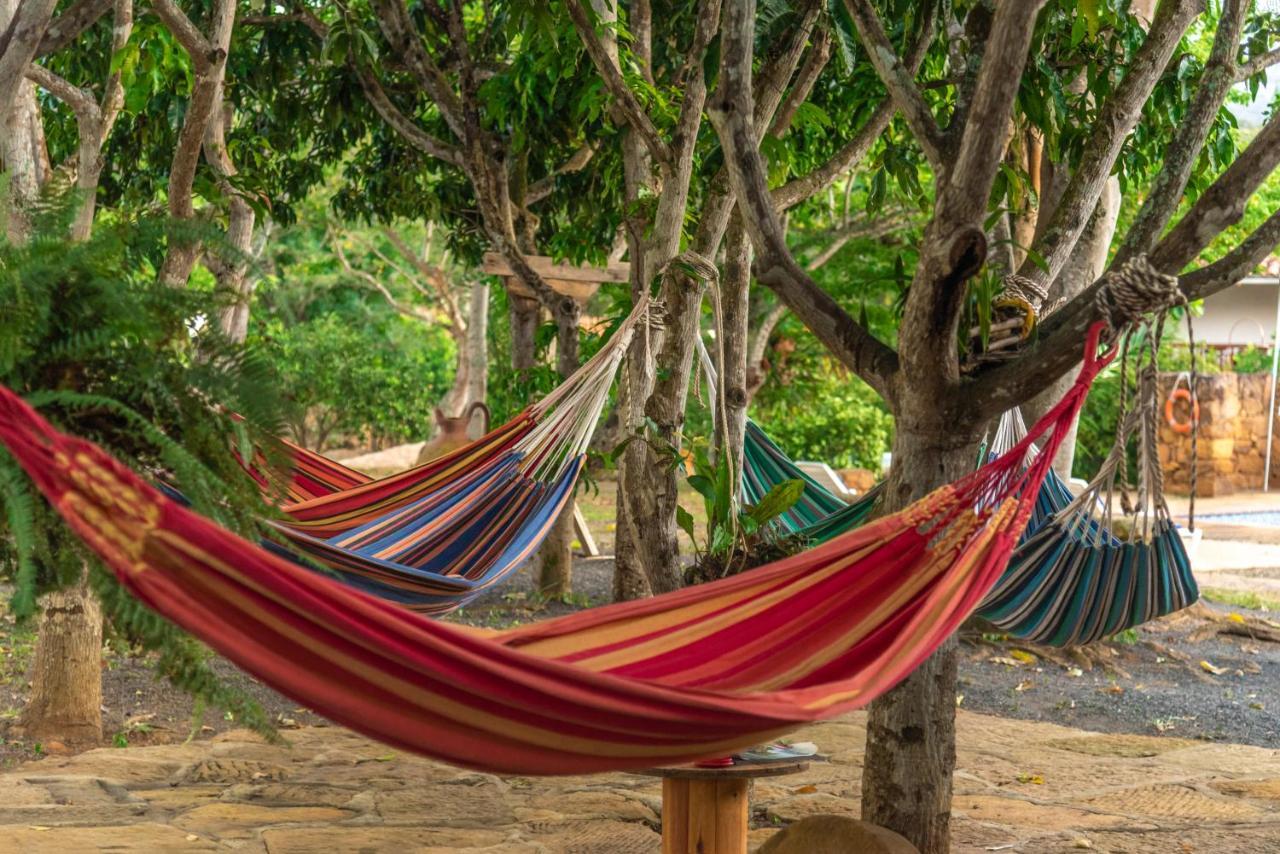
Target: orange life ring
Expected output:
[1181,426]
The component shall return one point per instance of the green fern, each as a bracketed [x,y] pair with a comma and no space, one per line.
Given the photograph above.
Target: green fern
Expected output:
[90,338]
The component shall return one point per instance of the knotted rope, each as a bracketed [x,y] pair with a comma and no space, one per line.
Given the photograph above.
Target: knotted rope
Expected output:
[1134,291]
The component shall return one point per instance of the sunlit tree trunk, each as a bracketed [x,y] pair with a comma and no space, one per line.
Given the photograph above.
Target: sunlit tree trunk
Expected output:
[66,674]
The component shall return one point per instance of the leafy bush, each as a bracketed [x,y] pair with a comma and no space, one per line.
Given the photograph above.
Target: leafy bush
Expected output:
[1252,360]
[90,338]
[378,377]
[827,415]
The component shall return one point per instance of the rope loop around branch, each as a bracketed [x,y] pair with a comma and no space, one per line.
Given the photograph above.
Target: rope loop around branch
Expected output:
[1134,291]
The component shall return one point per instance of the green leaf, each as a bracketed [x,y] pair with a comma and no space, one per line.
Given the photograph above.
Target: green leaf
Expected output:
[684,519]
[1089,9]
[778,500]
[703,485]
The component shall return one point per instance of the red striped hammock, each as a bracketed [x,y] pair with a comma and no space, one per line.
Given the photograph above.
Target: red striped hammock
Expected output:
[674,678]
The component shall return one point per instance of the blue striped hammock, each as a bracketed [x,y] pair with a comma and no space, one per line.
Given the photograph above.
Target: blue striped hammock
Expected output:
[1070,581]
[434,537]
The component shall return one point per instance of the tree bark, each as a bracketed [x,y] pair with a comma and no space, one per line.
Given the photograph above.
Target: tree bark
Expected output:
[66,675]
[477,344]
[555,577]
[732,339]
[910,754]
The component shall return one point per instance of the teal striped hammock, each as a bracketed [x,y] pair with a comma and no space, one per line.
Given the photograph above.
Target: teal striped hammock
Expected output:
[1071,580]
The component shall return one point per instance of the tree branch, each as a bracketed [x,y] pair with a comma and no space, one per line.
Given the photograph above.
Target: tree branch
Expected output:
[400,33]
[80,101]
[578,161]
[1236,264]
[301,16]
[68,26]
[982,141]
[1223,203]
[624,99]
[402,124]
[1255,64]
[886,223]
[433,274]
[202,53]
[1184,149]
[798,189]
[18,45]
[731,114]
[814,62]
[1117,117]
[899,79]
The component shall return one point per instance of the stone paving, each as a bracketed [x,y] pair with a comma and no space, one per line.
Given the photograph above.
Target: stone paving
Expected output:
[1021,787]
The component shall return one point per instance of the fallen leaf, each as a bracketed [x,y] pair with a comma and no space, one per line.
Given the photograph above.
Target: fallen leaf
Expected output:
[191,837]
[1035,779]
[1258,706]
[805,790]
[1005,660]
[1075,672]
[1209,668]
[37,827]
[1024,685]
[1114,689]
[1081,843]
[1023,656]
[1235,618]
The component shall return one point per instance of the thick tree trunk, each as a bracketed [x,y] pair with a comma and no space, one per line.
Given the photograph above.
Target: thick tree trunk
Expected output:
[735,314]
[23,158]
[910,754]
[652,488]
[556,555]
[66,676]
[524,315]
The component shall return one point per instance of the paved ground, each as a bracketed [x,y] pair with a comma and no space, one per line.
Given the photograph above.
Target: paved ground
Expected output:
[1026,788]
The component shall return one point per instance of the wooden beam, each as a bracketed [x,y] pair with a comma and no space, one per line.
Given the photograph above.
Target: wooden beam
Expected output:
[580,291]
[548,269]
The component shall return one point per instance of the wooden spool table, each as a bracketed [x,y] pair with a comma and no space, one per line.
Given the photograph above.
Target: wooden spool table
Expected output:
[704,810]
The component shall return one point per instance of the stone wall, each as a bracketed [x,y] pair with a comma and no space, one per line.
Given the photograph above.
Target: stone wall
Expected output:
[1232,441]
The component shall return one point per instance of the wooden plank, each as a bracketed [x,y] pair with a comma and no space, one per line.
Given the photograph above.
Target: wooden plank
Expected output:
[583,533]
[547,268]
[731,816]
[581,291]
[703,817]
[675,815]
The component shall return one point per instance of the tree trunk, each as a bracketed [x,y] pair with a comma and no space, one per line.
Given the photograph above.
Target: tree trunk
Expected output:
[1087,261]
[556,555]
[732,340]
[910,754]
[524,313]
[652,488]
[23,157]
[477,346]
[66,676]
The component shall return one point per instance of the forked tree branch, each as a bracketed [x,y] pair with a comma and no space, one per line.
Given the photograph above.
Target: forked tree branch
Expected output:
[578,161]
[808,185]
[1184,149]
[402,124]
[1117,117]
[899,78]
[624,98]
[1223,203]
[398,29]
[731,113]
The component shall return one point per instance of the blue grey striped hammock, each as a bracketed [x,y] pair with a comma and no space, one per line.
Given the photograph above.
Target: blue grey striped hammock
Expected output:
[1072,580]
